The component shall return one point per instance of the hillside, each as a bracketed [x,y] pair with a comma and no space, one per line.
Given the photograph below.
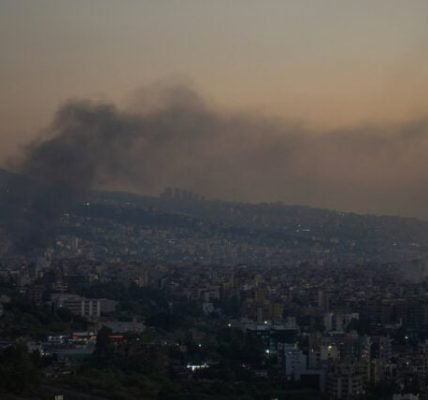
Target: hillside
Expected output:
[157,229]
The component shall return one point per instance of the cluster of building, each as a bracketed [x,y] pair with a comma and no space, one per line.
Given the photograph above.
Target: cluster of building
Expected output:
[338,329]
[180,228]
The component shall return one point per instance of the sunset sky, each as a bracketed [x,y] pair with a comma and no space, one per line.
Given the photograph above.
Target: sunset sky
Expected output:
[330,62]
[326,64]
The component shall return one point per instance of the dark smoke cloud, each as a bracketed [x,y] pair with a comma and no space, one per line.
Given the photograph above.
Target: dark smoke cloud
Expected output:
[172,137]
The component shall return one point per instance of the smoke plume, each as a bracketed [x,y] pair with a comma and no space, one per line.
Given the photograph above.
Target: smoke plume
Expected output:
[172,137]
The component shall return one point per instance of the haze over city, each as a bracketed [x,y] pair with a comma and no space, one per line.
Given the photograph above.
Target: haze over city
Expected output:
[313,103]
[213,200]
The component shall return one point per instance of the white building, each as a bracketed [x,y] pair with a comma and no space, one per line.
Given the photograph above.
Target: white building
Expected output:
[295,362]
[78,305]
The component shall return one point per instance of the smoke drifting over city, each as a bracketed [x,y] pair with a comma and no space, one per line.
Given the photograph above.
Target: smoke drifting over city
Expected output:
[172,137]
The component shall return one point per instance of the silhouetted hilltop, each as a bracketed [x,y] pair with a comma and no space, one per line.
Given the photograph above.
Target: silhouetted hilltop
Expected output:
[167,227]
[297,220]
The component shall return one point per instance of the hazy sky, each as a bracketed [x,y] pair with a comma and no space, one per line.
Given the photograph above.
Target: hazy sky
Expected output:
[327,63]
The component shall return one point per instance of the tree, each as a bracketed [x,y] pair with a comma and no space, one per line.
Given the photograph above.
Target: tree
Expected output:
[104,347]
[18,372]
